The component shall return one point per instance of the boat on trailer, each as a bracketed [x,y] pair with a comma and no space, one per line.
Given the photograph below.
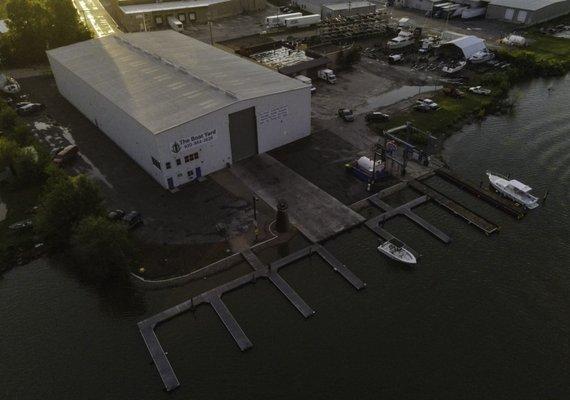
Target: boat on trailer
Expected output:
[513,189]
[454,68]
[396,250]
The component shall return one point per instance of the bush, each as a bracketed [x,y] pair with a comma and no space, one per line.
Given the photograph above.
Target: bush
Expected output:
[101,248]
[65,202]
[8,118]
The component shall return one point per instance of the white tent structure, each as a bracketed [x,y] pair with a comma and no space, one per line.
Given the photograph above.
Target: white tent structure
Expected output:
[468,45]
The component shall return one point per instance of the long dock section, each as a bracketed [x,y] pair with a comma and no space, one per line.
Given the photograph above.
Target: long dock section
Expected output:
[214,298]
[455,208]
[481,193]
[406,210]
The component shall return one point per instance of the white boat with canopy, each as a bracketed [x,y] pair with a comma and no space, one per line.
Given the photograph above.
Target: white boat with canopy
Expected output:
[513,189]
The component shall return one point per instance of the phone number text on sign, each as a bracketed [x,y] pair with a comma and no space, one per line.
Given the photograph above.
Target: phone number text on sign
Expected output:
[193,141]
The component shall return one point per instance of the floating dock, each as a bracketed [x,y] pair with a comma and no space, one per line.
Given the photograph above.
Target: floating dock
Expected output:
[481,193]
[455,208]
[214,298]
[406,210]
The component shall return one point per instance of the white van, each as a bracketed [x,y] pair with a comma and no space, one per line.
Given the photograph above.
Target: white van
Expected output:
[175,24]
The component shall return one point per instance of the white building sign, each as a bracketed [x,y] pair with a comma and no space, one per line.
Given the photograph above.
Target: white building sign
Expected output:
[193,141]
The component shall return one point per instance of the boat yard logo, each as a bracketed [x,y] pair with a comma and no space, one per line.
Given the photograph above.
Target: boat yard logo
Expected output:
[176,148]
[193,141]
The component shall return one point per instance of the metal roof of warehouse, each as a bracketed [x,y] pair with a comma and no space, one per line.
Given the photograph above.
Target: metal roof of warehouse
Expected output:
[168,6]
[347,6]
[164,79]
[531,5]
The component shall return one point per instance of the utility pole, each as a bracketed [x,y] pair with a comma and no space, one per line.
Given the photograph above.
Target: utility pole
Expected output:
[211,35]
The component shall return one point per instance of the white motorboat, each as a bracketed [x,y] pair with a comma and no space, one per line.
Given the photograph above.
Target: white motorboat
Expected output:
[513,189]
[403,39]
[453,68]
[481,57]
[394,249]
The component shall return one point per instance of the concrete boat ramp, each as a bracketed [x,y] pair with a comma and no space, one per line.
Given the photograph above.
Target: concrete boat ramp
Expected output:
[317,214]
[214,298]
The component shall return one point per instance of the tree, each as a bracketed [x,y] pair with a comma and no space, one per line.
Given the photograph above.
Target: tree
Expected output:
[28,24]
[37,26]
[65,202]
[65,27]
[102,248]
[8,118]
[8,151]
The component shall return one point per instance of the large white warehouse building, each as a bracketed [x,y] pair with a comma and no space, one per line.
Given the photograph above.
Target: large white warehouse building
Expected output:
[179,107]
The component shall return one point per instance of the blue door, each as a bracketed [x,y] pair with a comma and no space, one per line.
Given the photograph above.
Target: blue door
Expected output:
[170,183]
[198,172]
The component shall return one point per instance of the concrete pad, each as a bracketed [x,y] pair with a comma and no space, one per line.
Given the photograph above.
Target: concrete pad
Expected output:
[314,212]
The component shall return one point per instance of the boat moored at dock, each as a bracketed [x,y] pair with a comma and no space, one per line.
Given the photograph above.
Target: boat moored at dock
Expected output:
[513,189]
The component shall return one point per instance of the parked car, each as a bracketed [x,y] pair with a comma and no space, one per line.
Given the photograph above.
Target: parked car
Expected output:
[29,109]
[395,58]
[430,103]
[133,219]
[422,107]
[22,225]
[65,155]
[480,90]
[346,114]
[116,215]
[377,116]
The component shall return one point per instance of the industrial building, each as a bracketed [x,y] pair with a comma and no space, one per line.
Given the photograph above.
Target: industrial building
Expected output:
[178,107]
[527,12]
[346,9]
[327,8]
[146,15]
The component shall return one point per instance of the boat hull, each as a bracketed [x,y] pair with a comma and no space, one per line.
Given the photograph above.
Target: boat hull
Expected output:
[505,193]
[409,258]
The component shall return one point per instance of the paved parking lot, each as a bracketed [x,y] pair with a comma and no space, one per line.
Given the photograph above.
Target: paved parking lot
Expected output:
[188,216]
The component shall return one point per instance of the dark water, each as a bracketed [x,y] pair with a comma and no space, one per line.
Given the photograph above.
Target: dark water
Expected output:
[481,318]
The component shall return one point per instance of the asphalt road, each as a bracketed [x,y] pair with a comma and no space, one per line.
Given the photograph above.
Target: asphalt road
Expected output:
[98,19]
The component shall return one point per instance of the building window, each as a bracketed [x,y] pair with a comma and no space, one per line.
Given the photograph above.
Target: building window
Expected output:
[156,163]
[168,165]
[186,158]
[158,20]
[182,17]
[190,173]
[192,16]
[178,162]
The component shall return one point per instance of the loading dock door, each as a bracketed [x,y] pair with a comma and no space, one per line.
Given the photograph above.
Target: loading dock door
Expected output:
[521,17]
[243,134]
[509,14]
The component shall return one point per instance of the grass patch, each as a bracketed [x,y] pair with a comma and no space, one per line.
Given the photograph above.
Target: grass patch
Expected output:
[453,112]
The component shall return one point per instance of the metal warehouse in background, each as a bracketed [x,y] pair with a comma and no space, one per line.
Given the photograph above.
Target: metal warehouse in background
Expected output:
[179,107]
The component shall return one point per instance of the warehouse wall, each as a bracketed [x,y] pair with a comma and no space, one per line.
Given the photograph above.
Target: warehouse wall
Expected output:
[281,118]
[126,132]
[532,17]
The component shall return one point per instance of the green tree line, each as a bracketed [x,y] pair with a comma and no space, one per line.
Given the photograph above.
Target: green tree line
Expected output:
[36,26]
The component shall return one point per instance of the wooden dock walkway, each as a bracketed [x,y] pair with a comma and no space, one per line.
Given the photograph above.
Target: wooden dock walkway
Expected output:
[214,298]
[280,283]
[406,210]
[481,193]
[455,208]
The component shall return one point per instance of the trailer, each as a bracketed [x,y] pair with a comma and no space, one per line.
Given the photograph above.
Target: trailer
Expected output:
[274,21]
[303,21]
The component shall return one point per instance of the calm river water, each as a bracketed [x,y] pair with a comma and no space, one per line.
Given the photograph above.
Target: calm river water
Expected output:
[481,318]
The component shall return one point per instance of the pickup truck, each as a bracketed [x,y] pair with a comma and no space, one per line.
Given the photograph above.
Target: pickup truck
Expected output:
[68,153]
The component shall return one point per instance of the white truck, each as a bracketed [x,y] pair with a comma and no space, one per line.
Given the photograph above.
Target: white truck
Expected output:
[303,21]
[274,21]
[327,75]
[175,24]
[307,81]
